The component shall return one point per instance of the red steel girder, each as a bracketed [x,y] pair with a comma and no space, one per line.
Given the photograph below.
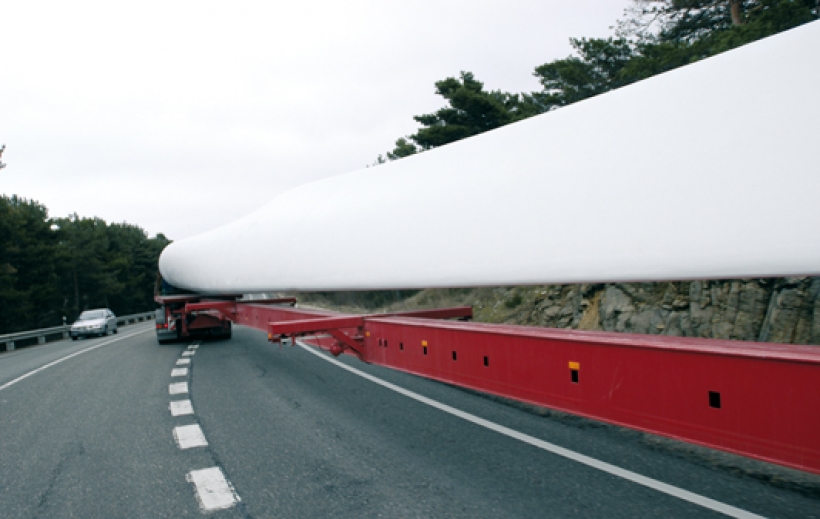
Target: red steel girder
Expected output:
[181,298]
[754,399]
[229,308]
[457,312]
[310,326]
[273,301]
[226,308]
[331,325]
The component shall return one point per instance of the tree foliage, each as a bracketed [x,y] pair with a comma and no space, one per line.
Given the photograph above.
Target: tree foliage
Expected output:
[655,36]
[597,69]
[660,35]
[55,268]
[470,110]
[693,21]
[404,148]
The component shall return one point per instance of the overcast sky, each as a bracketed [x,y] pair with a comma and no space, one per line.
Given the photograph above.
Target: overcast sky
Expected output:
[179,116]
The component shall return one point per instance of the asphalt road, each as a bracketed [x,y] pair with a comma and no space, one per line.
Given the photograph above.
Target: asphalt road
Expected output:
[284,433]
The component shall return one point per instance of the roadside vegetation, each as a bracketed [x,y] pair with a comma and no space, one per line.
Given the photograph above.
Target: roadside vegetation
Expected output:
[654,36]
[52,268]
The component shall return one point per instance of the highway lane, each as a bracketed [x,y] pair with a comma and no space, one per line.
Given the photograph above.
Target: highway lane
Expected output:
[91,436]
[296,436]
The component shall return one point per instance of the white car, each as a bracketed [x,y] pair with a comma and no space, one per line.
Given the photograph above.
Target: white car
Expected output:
[94,322]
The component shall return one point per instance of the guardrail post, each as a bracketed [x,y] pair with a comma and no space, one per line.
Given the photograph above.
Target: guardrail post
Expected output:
[10,346]
[65,334]
[41,339]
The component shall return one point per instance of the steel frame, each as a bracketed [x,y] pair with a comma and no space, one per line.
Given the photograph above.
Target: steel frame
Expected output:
[759,400]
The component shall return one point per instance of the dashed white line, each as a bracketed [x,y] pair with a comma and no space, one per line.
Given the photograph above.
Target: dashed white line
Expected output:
[178,388]
[213,491]
[189,436]
[181,408]
[589,461]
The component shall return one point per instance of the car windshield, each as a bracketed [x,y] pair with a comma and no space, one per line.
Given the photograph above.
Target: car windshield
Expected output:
[91,314]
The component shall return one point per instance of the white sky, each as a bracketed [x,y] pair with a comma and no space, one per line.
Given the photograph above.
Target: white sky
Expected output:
[179,116]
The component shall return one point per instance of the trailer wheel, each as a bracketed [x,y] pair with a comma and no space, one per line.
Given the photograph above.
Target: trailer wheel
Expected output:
[226,334]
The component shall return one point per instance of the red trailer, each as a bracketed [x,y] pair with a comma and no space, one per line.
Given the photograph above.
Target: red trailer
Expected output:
[754,399]
[174,322]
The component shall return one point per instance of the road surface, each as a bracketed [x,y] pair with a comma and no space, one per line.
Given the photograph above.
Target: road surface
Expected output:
[91,429]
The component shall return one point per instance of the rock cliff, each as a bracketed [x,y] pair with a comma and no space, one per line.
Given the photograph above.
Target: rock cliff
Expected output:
[785,310]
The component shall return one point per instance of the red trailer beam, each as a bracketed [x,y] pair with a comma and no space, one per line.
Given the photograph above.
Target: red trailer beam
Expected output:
[755,399]
[332,325]
[226,308]
[458,312]
[275,301]
[305,326]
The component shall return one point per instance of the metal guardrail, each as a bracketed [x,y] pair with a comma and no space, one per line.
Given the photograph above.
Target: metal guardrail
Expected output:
[61,332]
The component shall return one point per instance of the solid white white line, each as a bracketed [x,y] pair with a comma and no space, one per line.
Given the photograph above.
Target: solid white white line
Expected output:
[41,368]
[179,372]
[189,436]
[181,408]
[177,388]
[547,446]
[182,362]
[188,353]
[213,491]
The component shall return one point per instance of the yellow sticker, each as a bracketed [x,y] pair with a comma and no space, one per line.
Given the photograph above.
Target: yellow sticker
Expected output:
[424,343]
[575,365]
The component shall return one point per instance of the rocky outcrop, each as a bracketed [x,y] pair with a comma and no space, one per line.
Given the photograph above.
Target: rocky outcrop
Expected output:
[777,310]
[785,310]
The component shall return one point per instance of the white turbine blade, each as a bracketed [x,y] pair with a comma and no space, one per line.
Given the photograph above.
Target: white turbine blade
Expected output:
[708,171]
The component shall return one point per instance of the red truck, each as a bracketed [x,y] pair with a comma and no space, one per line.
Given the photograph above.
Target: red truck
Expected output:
[174,323]
[176,320]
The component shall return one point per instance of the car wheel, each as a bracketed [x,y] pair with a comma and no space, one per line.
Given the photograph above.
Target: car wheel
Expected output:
[116,330]
[74,337]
